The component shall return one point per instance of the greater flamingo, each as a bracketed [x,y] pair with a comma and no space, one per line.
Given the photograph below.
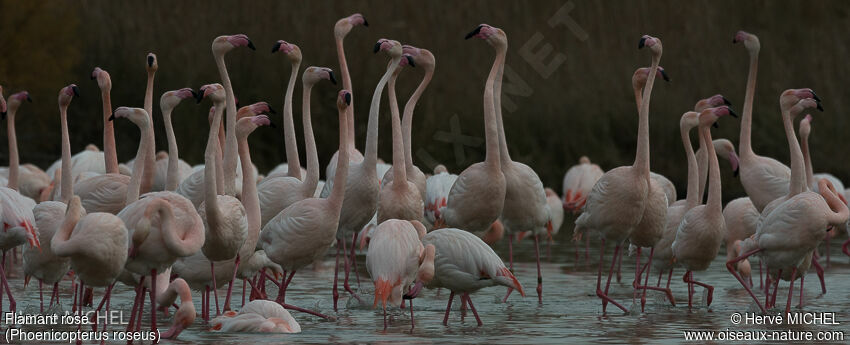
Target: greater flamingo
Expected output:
[185,314]
[175,169]
[257,316]
[462,263]
[700,233]
[477,197]
[622,191]
[293,53]
[437,191]
[578,181]
[305,230]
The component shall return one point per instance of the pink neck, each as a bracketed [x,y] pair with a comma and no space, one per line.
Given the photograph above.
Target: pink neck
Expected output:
[172,180]
[110,153]
[713,201]
[67,181]
[807,158]
[692,198]
[399,168]
[292,159]
[346,84]
[371,156]
[491,121]
[407,119]
[149,160]
[230,154]
[250,199]
[312,178]
[745,146]
[504,154]
[14,162]
[798,169]
[642,154]
[338,191]
[145,149]
[211,158]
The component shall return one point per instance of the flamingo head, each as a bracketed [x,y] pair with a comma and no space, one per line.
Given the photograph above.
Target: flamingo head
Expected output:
[392,47]
[183,318]
[151,66]
[751,42]
[226,43]
[407,60]
[653,43]
[104,82]
[425,273]
[15,101]
[709,116]
[313,74]
[792,97]
[422,57]
[245,126]
[254,109]
[549,192]
[213,91]
[343,99]
[711,102]
[688,121]
[725,148]
[67,93]
[641,74]
[136,115]
[292,51]
[171,99]
[439,169]
[344,25]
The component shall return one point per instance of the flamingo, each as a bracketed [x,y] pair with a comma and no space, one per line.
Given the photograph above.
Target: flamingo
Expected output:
[622,191]
[424,59]
[764,179]
[42,263]
[462,263]
[399,199]
[702,158]
[701,230]
[15,209]
[477,197]
[185,314]
[150,159]
[437,191]
[362,184]
[257,316]
[792,226]
[293,53]
[175,170]
[395,253]
[302,232]
[341,29]
[279,192]
[805,131]
[578,181]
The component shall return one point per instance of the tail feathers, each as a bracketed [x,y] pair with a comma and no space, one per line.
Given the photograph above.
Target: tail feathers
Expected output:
[506,278]
[383,290]
[32,234]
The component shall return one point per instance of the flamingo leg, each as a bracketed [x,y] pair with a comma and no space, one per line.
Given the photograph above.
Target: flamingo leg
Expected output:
[385,318]
[412,323]
[153,301]
[244,290]
[135,304]
[510,266]
[619,264]
[730,266]
[40,296]
[687,279]
[462,308]
[845,248]
[5,286]
[790,290]
[141,310]
[819,270]
[802,280]
[207,304]
[354,258]
[347,271]
[471,306]
[660,275]
[101,304]
[636,282]
[775,287]
[214,288]
[599,293]
[539,275]
[826,247]
[669,276]
[336,274]
[230,285]
[767,283]
[448,309]
[55,294]
[706,286]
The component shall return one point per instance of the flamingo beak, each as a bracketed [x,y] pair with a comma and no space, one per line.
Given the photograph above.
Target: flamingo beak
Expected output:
[414,291]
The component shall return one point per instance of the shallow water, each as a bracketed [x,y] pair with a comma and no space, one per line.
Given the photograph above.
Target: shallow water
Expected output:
[570,313]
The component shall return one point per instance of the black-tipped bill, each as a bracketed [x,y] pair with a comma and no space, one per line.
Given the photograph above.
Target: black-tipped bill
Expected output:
[731,112]
[112,117]
[473,32]
[410,61]
[29,99]
[3,115]
[332,79]
[76,90]
[642,42]
[272,125]
[377,47]
[276,47]
[251,45]
[735,172]
[815,96]
[665,76]
[199,96]
[347,99]
[150,60]
[726,101]
[365,23]
[820,107]
[716,125]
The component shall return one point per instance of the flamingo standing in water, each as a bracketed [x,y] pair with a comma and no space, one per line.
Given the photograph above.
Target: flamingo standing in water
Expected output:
[578,181]
[185,314]
[15,209]
[175,170]
[304,231]
[701,231]
[462,263]
[477,197]
[437,191]
[395,253]
[42,263]
[622,191]
[293,53]
[788,235]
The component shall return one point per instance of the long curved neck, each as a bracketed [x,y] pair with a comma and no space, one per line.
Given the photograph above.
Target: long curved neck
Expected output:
[67,182]
[292,159]
[642,153]
[713,201]
[149,159]
[399,167]
[338,191]
[745,146]
[838,211]
[407,118]
[702,165]
[230,154]
[250,199]
[172,180]
[491,121]
[211,156]
[61,242]
[145,149]
[219,169]
[14,161]
[810,175]
[798,169]
[346,84]
[692,199]
[110,153]
[371,156]
[312,178]
[504,154]
[168,229]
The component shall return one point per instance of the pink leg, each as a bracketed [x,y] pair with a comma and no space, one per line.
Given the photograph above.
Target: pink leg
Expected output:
[448,309]
[619,265]
[669,276]
[336,274]
[767,283]
[660,275]
[539,275]
[347,271]
[636,282]
[136,306]
[5,282]
[54,294]
[706,286]
[230,286]
[604,295]
[687,279]
[354,258]
[244,290]
[412,323]
[153,301]
[819,270]
[802,280]
[471,306]
[510,266]
[141,311]
[385,318]
[775,287]
[40,296]
[790,290]
[845,248]
[207,311]
[214,288]
[730,266]
[462,308]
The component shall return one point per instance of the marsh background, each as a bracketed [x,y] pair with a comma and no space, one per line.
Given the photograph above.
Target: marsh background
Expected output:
[584,107]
